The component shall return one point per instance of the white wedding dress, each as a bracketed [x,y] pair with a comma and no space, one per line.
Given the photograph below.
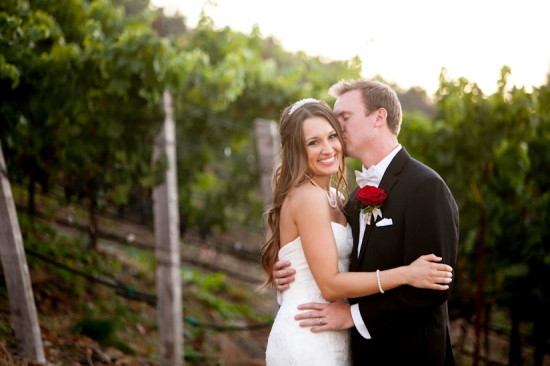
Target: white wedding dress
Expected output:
[288,343]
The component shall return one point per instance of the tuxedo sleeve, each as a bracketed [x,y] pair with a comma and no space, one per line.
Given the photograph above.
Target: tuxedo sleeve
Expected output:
[430,226]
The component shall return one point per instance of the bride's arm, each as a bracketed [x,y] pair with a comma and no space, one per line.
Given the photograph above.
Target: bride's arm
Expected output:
[311,214]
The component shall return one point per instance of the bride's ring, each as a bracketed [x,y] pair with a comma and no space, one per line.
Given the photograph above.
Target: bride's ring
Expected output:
[277,281]
[320,321]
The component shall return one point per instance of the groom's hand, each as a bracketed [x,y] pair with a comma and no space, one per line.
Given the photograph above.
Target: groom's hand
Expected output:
[321,317]
[283,275]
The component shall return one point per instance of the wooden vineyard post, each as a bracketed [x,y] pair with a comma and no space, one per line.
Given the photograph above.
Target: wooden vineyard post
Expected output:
[16,271]
[267,143]
[166,213]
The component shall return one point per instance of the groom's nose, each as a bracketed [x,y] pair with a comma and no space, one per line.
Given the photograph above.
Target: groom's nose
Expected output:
[343,126]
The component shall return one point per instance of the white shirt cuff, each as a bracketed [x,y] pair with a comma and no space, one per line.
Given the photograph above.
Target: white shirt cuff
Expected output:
[358,321]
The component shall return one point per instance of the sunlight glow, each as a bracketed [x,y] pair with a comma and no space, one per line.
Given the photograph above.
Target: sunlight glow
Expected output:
[405,42]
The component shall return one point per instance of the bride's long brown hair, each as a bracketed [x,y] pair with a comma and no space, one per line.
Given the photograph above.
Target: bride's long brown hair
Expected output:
[290,173]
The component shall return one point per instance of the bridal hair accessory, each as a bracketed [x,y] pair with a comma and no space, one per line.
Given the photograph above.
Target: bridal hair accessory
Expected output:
[330,198]
[300,103]
[378,279]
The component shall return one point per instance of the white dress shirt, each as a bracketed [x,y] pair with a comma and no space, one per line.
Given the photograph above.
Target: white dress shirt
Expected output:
[380,169]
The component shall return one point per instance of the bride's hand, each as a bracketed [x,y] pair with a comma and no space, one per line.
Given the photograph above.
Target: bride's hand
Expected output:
[426,273]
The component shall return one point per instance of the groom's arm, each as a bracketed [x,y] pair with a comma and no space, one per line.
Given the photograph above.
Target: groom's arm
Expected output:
[283,275]
[322,317]
[431,226]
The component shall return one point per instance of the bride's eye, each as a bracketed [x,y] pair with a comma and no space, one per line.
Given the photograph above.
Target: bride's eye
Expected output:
[312,143]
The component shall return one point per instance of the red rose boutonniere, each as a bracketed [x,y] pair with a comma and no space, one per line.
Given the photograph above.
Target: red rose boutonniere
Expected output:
[372,198]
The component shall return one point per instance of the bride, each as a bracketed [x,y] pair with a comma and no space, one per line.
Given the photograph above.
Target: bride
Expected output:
[308,228]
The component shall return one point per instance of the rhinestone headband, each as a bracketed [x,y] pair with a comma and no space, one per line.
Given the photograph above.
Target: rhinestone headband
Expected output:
[300,103]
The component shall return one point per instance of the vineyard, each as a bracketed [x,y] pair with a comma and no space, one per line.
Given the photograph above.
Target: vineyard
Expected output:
[82,87]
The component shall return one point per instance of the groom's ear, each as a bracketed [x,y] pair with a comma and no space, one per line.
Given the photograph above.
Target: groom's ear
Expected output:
[381,117]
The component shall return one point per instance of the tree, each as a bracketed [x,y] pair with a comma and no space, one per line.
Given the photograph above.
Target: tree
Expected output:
[84,106]
[246,77]
[491,150]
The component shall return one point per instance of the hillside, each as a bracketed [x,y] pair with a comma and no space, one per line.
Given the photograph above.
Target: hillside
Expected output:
[85,322]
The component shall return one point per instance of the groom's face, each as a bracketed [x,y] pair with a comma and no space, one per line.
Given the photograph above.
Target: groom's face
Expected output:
[357,127]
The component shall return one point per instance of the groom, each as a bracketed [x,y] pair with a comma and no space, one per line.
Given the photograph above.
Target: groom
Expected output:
[404,326]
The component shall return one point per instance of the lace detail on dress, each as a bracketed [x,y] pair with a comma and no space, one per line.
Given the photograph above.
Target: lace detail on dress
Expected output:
[288,343]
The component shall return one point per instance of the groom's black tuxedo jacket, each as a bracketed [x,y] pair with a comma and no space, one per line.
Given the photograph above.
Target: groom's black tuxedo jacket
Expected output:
[408,326]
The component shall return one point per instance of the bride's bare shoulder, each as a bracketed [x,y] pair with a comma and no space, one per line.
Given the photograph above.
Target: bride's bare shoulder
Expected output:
[305,195]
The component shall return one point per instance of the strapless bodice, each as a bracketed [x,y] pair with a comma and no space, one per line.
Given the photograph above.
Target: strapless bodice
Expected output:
[290,344]
[304,289]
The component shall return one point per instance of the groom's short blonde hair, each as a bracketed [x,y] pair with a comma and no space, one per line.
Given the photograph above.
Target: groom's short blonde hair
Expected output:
[376,95]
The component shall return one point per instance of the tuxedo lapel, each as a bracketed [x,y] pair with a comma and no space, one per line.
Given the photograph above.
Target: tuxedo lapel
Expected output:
[352,210]
[395,167]
[388,181]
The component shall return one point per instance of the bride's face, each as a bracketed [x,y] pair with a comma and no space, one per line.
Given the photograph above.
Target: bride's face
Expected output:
[324,150]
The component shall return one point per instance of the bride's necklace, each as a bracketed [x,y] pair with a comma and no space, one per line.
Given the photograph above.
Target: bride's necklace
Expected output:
[330,198]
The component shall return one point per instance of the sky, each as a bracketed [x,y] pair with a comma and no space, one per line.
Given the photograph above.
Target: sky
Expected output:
[407,42]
